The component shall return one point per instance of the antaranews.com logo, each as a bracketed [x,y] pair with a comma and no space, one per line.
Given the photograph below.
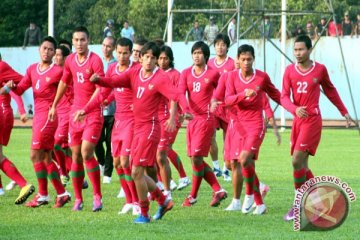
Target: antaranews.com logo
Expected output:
[322,203]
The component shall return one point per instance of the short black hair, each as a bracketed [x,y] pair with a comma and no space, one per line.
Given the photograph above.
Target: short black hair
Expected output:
[140,41]
[222,37]
[169,53]
[151,46]
[49,39]
[204,48]
[159,42]
[125,42]
[64,50]
[246,48]
[305,39]
[82,29]
[65,42]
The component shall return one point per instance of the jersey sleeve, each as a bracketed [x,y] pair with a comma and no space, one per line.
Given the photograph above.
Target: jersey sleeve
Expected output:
[98,67]
[231,96]
[285,94]
[271,90]
[98,99]
[19,102]
[24,84]
[219,93]
[331,93]
[269,113]
[122,80]
[66,77]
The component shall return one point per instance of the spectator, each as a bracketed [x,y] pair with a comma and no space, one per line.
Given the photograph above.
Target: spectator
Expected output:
[266,27]
[211,30]
[347,26]
[231,31]
[288,34]
[196,33]
[310,31]
[32,35]
[127,31]
[357,27]
[138,45]
[109,28]
[30,111]
[298,31]
[332,28]
[321,29]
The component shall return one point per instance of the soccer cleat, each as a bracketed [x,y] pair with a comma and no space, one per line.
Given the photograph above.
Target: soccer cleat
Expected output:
[189,201]
[62,199]
[234,206]
[217,172]
[289,216]
[260,209]
[141,219]
[38,201]
[248,204]
[218,197]
[126,208]
[2,192]
[136,209]
[173,185]
[11,185]
[226,175]
[85,184]
[97,204]
[168,205]
[64,180]
[121,194]
[106,180]
[25,192]
[183,183]
[78,205]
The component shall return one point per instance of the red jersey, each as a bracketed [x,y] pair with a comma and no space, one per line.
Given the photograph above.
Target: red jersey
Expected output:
[66,101]
[199,88]
[146,92]
[227,66]
[44,84]
[164,106]
[249,108]
[78,74]
[305,89]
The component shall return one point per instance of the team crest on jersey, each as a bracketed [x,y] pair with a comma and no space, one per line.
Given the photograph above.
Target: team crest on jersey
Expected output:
[257,88]
[47,79]
[87,71]
[206,80]
[151,86]
[225,70]
[315,80]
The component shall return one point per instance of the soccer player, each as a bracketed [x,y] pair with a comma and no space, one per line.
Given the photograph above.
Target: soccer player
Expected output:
[6,125]
[148,86]
[302,80]
[84,135]
[43,77]
[138,44]
[165,150]
[245,89]
[199,82]
[62,151]
[122,133]
[221,63]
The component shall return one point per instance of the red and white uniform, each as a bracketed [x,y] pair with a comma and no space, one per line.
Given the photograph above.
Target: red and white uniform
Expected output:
[78,74]
[44,84]
[200,89]
[146,97]
[305,90]
[251,125]
[6,111]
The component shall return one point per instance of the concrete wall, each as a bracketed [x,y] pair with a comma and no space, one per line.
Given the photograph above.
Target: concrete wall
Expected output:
[327,52]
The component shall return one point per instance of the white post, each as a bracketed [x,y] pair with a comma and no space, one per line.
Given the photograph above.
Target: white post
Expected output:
[170,24]
[283,49]
[51,18]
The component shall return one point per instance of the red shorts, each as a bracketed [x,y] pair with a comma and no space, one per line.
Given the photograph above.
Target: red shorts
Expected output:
[165,137]
[199,134]
[144,145]
[1,125]
[232,142]
[221,118]
[62,131]
[89,129]
[306,134]
[121,137]
[43,131]
[7,126]
[252,134]
[173,135]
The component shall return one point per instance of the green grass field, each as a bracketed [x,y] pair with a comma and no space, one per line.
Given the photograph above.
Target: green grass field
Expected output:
[338,154]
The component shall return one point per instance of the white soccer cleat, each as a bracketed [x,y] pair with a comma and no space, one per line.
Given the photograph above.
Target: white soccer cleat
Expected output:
[2,192]
[260,209]
[183,183]
[126,208]
[10,186]
[160,185]
[234,206]
[173,185]
[136,209]
[248,203]
[106,180]
[121,193]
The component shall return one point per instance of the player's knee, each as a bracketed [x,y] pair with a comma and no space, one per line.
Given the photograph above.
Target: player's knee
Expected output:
[228,165]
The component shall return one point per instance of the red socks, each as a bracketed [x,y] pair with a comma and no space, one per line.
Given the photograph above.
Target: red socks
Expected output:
[125,187]
[299,177]
[93,171]
[12,172]
[77,175]
[176,161]
[249,176]
[210,178]
[41,175]
[197,176]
